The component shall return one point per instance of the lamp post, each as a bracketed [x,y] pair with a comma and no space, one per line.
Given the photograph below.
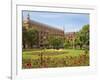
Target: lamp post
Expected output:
[41,58]
[41,54]
[64,35]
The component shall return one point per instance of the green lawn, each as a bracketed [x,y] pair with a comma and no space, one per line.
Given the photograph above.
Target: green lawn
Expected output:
[54,58]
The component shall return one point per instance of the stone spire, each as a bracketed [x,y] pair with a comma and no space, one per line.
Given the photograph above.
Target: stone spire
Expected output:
[27,22]
[28,17]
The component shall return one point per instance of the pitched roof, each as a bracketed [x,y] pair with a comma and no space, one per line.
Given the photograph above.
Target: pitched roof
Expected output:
[44,25]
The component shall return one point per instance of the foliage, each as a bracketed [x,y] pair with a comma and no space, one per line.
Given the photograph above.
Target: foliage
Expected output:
[67,44]
[24,38]
[56,42]
[82,37]
[30,37]
[54,58]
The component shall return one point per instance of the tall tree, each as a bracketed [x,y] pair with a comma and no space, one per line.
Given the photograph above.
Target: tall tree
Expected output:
[29,37]
[32,37]
[24,38]
[56,42]
[67,44]
[82,37]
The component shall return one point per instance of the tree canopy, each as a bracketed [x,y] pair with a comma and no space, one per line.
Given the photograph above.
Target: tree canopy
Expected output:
[56,42]
[82,37]
[30,37]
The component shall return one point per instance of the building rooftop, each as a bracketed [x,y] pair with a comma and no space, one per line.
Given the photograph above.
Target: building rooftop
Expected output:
[42,24]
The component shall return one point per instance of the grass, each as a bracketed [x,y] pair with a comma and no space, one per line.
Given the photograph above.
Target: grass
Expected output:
[54,58]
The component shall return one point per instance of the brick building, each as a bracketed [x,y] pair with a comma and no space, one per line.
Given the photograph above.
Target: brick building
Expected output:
[44,31]
[70,36]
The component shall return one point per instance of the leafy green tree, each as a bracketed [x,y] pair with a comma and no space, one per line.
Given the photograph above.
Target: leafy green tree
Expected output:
[24,38]
[32,37]
[82,37]
[56,42]
[29,37]
[67,44]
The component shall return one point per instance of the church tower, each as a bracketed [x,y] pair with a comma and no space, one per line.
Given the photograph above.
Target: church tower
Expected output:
[27,22]
[28,17]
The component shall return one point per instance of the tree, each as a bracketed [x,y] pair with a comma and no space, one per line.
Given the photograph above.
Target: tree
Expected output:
[56,42]
[82,37]
[32,37]
[24,38]
[67,44]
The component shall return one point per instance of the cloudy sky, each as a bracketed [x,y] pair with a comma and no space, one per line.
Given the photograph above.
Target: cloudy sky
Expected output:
[69,22]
